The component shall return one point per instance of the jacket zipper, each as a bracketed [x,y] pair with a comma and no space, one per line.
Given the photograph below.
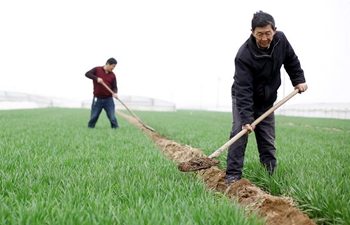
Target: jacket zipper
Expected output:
[268,56]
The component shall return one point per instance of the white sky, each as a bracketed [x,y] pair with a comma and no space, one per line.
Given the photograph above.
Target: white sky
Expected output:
[180,51]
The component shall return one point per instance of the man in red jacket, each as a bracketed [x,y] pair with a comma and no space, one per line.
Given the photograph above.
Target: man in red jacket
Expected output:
[103,99]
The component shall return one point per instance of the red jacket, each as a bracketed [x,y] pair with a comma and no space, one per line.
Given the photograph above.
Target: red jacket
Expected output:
[109,79]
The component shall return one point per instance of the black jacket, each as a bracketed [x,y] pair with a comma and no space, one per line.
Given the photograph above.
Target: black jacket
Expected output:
[257,74]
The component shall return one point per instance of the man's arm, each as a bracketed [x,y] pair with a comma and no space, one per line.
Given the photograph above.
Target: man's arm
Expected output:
[294,70]
[91,74]
[292,65]
[244,91]
[115,88]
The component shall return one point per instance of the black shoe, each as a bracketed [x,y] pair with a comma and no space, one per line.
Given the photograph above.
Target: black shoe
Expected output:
[270,168]
[231,179]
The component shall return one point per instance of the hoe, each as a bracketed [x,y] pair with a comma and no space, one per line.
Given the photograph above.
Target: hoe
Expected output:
[199,163]
[138,119]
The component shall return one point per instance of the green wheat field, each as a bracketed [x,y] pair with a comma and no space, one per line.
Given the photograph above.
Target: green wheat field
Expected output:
[55,170]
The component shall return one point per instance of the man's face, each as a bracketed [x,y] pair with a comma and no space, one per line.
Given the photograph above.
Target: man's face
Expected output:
[110,67]
[264,35]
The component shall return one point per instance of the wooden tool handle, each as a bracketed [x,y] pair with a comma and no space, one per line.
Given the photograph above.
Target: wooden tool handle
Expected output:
[258,120]
[132,113]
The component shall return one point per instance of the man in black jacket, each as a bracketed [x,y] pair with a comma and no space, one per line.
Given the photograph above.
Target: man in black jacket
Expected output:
[254,90]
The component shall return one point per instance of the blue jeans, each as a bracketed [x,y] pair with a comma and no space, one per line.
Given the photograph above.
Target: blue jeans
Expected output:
[103,103]
[265,138]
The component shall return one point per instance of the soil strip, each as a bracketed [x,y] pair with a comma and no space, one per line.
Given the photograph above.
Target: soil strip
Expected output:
[276,210]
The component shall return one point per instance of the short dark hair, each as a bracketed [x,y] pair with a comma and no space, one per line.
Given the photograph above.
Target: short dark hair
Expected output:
[262,19]
[111,61]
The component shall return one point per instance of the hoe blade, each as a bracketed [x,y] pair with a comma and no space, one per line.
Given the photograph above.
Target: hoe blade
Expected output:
[195,164]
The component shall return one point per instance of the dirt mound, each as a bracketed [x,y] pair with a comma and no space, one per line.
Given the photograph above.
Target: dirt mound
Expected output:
[277,210]
[197,163]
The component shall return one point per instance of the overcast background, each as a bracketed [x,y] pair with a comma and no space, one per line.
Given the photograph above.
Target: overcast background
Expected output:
[180,51]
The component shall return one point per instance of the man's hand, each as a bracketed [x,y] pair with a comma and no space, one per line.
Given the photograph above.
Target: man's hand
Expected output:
[115,95]
[99,80]
[250,128]
[301,87]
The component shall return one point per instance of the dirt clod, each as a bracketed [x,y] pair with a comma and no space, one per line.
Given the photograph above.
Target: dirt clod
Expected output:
[197,164]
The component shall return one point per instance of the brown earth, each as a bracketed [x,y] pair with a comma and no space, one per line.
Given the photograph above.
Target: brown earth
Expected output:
[276,210]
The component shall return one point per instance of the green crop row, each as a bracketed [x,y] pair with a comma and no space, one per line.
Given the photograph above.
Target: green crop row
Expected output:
[55,170]
[313,157]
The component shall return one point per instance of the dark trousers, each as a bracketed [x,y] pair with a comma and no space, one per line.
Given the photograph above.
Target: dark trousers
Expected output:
[265,138]
[103,103]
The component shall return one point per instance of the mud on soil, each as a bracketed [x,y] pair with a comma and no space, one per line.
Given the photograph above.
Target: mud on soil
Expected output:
[276,210]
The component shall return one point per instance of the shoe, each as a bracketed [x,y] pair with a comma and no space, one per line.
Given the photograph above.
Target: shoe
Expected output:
[270,168]
[231,179]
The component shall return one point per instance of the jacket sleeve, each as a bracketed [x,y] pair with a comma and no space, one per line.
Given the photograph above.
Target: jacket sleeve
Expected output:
[243,80]
[292,65]
[114,85]
[91,74]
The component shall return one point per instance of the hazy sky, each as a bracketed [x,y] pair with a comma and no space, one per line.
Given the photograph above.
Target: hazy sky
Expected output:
[180,51]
